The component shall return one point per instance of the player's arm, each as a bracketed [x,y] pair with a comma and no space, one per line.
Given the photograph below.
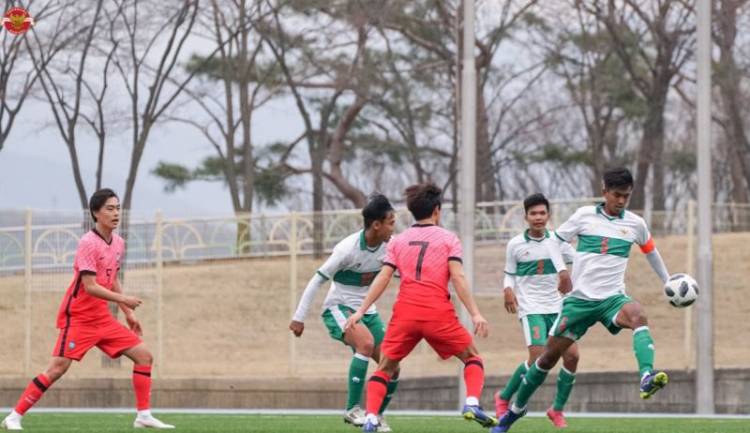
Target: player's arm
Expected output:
[654,259]
[133,322]
[378,286]
[555,250]
[97,291]
[458,278]
[297,325]
[565,234]
[509,281]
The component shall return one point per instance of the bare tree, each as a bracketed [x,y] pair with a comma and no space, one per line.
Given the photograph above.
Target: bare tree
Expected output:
[150,39]
[19,68]
[65,84]
[654,40]
[729,78]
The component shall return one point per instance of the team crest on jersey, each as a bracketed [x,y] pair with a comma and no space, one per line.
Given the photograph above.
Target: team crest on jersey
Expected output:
[625,232]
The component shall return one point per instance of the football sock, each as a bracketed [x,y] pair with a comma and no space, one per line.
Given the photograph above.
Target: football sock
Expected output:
[565,381]
[142,386]
[32,394]
[514,382]
[531,381]
[377,388]
[392,385]
[356,383]
[474,377]
[643,346]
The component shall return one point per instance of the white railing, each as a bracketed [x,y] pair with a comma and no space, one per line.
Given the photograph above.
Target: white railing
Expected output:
[39,247]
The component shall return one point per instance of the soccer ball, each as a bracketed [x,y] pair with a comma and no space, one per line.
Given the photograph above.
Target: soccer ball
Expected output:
[681,290]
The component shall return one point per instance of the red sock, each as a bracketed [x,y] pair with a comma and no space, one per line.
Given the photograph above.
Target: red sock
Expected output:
[474,376]
[33,393]
[377,388]
[142,386]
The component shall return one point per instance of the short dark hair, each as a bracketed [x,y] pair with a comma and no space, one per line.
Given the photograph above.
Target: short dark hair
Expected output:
[535,200]
[619,177]
[98,199]
[376,209]
[422,199]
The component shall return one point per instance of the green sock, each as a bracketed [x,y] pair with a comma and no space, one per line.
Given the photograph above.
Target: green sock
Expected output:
[392,385]
[565,381]
[643,346]
[531,381]
[357,373]
[514,382]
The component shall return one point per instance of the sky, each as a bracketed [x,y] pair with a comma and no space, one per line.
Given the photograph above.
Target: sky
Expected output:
[35,169]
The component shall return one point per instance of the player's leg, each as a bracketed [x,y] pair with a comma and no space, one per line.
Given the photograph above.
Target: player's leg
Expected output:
[377,328]
[377,389]
[565,380]
[449,338]
[535,335]
[391,390]
[631,315]
[534,378]
[575,318]
[362,343]
[34,391]
[142,363]
[400,339]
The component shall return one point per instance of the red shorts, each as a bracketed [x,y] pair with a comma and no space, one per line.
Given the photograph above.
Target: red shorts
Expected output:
[112,338]
[446,337]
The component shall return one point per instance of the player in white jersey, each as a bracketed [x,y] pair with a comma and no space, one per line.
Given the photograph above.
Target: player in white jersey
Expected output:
[531,290]
[605,235]
[351,268]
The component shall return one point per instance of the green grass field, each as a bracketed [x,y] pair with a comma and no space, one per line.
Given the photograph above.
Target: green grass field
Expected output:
[51,422]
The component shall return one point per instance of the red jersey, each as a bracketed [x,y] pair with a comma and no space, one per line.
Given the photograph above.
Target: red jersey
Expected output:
[98,257]
[421,255]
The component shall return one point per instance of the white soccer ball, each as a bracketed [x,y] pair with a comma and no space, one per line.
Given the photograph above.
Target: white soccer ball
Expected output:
[681,290]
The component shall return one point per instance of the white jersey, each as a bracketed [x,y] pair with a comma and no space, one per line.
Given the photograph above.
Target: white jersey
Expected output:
[531,267]
[603,248]
[351,268]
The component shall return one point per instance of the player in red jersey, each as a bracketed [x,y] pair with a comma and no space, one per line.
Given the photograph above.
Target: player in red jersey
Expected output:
[84,319]
[426,256]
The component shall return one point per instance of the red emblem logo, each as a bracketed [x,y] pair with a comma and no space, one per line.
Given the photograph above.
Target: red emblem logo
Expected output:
[17,20]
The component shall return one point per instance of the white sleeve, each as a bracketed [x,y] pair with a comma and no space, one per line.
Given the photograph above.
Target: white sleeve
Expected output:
[308,296]
[570,228]
[568,252]
[554,248]
[510,267]
[327,271]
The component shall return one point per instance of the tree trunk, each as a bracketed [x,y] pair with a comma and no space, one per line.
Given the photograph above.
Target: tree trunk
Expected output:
[485,175]
[728,79]
[651,149]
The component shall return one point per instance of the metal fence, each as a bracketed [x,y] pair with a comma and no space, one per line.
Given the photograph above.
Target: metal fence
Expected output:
[245,271]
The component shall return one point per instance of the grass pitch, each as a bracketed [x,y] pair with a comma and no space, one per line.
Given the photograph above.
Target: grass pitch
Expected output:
[87,422]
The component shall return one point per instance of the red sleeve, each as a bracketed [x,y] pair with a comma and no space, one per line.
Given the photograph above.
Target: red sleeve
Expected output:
[456,251]
[390,254]
[86,256]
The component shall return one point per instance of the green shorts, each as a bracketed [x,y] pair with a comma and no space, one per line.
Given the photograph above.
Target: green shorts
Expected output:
[578,315]
[536,327]
[335,317]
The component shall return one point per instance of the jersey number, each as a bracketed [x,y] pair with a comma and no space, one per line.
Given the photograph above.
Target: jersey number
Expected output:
[422,250]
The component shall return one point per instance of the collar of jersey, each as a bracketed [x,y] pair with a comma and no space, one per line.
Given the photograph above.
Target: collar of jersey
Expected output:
[600,210]
[529,238]
[422,225]
[102,237]
[363,243]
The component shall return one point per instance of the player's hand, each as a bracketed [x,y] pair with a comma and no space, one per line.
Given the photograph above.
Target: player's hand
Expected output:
[134,324]
[511,303]
[352,320]
[481,328]
[297,328]
[566,284]
[132,302]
